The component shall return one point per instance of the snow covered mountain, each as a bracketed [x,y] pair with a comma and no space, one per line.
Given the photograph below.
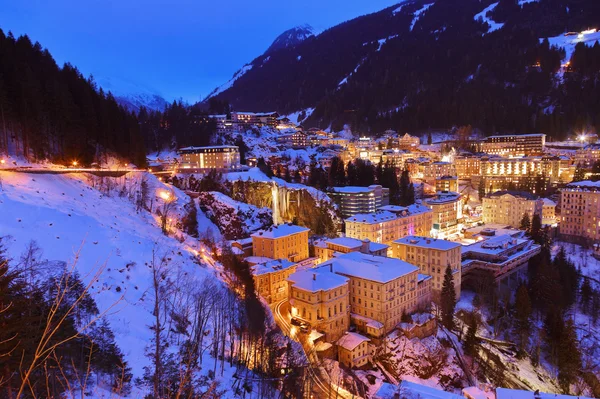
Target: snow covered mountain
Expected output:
[427,63]
[291,37]
[132,95]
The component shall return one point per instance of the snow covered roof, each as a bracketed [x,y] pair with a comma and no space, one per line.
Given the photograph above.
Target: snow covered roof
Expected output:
[423,277]
[271,266]
[442,197]
[584,184]
[370,322]
[393,208]
[516,194]
[518,135]
[548,202]
[376,217]
[350,340]
[346,242]
[315,280]
[192,148]
[281,230]
[495,245]
[352,189]
[375,246]
[370,267]
[505,393]
[426,242]
[255,260]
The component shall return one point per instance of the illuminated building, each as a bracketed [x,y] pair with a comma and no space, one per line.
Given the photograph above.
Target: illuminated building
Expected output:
[354,350]
[446,209]
[270,279]
[548,211]
[467,166]
[446,183]
[327,248]
[285,241]
[353,200]
[580,210]
[520,173]
[508,207]
[222,157]
[390,223]
[432,256]
[435,170]
[514,145]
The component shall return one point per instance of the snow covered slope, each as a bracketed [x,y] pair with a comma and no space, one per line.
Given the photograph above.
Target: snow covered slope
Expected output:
[291,38]
[66,214]
[132,95]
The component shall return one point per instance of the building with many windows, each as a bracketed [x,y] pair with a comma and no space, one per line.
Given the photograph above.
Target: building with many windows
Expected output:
[354,350]
[432,256]
[353,200]
[285,241]
[518,145]
[446,183]
[221,157]
[270,279]
[580,210]
[435,170]
[522,173]
[390,223]
[509,207]
[320,298]
[446,209]
[467,166]
[381,290]
[548,211]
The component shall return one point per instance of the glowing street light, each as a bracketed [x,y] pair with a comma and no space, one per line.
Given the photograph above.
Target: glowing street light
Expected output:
[74,163]
[165,195]
[2,161]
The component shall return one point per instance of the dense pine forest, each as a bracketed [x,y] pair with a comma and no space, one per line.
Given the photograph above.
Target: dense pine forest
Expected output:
[52,112]
[446,70]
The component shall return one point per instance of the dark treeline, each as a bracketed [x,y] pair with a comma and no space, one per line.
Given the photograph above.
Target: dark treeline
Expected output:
[49,112]
[443,73]
[53,341]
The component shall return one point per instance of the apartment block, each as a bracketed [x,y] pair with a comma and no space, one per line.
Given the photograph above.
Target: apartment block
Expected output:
[390,223]
[353,200]
[514,145]
[548,211]
[446,183]
[508,207]
[432,256]
[285,241]
[321,298]
[381,290]
[467,166]
[580,210]
[270,279]
[222,157]
[435,170]
[446,209]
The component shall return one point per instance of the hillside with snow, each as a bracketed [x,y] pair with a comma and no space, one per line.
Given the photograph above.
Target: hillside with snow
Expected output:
[97,224]
[133,95]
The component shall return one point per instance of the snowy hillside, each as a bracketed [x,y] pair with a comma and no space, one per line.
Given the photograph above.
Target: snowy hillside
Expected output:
[94,219]
[291,38]
[132,95]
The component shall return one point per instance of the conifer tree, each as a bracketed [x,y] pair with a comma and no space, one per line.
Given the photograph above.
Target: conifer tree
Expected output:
[471,339]
[536,229]
[481,189]
[448,299]
[522,316]
[569,357]
[525,222]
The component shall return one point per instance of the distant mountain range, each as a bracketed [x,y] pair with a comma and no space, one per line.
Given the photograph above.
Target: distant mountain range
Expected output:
[433,64]
[132,95]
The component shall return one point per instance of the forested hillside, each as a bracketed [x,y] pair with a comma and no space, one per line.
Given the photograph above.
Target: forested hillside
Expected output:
[425,63]
[52,112]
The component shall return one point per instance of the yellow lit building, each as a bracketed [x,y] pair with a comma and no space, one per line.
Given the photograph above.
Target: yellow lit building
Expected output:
[223,157]
[548,211]
[320,298]
[580,210]
[354,350]
[446,207]
[435,170]
[432,256]
[381,290]
[515,145]
[467,166]
[286,241]
[446,183]
[390,223]
[508,207]
[270,279]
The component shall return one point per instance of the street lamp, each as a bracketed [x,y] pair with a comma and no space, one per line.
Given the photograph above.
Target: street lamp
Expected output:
[74,163]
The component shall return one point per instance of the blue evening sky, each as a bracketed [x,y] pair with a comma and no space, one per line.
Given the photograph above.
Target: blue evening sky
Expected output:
[181,48]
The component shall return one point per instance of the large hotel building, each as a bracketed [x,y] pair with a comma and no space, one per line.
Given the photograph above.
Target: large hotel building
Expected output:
[222,157]
[390,223]
[508,207]
[446,209]
[514,145]
[580,210]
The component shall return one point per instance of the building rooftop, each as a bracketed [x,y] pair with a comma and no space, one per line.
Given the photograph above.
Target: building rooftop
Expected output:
[369,267]
[408,389]
[584,184]
[388,212]
[279,231]
[426,242]
[517,194]
[353,189]
[495,245]
[350,340]
[318,279]
[380,216]
[443,197]
[271,266]
[192,148]
[517,135]
[548,202]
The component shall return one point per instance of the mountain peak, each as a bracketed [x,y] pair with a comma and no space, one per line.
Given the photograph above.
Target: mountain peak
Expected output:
[291,38]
